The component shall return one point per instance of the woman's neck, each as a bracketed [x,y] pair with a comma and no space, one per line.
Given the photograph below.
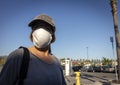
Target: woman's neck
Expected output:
[38,52]
[43,55]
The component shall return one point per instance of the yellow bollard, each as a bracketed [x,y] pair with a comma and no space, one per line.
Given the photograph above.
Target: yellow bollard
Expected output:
[77,78]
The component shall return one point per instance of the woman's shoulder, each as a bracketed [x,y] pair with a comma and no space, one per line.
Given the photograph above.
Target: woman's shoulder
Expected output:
[17,53]
[13,61]
[56,59]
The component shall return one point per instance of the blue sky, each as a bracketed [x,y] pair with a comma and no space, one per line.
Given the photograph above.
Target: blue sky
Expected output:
[79,24]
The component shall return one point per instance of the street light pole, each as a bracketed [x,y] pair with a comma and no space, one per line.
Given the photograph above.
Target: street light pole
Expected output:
[113,4]
[87,52]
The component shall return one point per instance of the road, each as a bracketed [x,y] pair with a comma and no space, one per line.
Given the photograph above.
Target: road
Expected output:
[98,75]
[92,77]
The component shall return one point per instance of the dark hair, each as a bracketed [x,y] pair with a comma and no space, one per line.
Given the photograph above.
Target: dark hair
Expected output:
[50,52]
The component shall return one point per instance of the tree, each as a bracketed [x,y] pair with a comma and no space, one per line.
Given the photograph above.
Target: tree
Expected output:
[106,61]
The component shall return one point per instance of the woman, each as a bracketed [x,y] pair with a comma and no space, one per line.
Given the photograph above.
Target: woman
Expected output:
[43,67]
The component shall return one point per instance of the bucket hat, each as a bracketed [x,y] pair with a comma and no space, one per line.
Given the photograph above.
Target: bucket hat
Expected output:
[43,18]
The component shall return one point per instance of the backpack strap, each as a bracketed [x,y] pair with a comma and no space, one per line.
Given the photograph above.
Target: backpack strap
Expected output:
[24,66]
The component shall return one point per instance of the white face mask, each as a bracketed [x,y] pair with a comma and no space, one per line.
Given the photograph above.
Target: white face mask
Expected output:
[41,38]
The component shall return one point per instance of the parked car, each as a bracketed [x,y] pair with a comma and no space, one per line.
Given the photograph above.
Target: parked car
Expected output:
[87,69]
[107,68]
[97,68]
[76,68]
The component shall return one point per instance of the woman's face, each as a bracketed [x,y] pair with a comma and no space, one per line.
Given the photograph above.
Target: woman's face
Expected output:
[44,26]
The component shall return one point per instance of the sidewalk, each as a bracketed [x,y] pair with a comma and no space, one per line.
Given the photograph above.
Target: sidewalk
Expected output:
[70,80]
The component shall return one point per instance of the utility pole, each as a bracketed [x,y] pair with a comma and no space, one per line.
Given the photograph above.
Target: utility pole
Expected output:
[111,40]
[113,4]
